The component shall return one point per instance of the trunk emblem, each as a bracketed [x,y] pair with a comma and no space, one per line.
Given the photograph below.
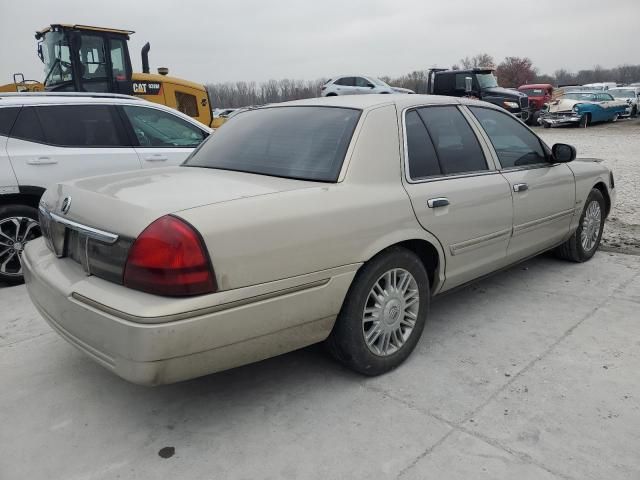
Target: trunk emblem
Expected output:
[66,205]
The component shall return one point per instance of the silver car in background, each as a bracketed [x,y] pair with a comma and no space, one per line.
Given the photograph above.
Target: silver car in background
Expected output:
[358,85]
[328,219]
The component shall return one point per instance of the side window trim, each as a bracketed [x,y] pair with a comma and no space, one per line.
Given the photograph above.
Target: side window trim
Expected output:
[491,149]
[489,154]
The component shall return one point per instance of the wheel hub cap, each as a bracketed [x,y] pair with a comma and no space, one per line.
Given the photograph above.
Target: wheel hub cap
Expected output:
[390,312]
[591,226]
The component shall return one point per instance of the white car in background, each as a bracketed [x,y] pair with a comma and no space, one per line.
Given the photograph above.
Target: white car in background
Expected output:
[46,138]
[358,85]
[631,95]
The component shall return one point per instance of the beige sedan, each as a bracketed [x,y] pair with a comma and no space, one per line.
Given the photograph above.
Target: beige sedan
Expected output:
[333,219]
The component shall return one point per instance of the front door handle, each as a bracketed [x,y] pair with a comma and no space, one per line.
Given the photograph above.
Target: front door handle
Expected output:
[157,157]
[520,187]
[42,161]
[437,202]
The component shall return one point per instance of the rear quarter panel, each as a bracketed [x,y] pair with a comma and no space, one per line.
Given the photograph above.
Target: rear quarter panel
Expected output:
[588,173]
[256,240]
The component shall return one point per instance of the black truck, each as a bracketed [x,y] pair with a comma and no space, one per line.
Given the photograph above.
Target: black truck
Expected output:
[478,83]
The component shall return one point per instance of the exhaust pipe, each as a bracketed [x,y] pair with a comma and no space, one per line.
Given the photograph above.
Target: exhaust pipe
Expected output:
[145,57]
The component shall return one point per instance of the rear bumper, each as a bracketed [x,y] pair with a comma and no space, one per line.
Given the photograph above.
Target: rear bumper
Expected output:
[198,343]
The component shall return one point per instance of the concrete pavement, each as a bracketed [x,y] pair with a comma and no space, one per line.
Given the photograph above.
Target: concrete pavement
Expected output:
[531,374]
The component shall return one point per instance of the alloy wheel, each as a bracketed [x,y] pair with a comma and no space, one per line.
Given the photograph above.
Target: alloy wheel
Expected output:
[15,232]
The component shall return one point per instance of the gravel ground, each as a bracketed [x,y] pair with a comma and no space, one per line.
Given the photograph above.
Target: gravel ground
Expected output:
[618,144]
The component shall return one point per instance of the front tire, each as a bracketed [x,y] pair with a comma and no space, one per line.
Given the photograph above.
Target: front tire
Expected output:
[584,242]
[18,226]
[585,121]
[383,314]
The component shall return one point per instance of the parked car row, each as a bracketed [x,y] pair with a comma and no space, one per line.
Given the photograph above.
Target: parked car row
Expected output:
[50,138]
[332,219]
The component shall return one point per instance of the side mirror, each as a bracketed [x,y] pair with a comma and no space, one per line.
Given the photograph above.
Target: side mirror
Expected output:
[563,153]
[468,85]
[40,54]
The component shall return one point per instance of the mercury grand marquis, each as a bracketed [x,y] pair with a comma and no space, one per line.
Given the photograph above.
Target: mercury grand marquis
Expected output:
[329,220]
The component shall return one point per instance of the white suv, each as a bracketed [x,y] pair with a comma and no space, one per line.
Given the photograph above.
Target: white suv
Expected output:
[46,138]
[358,85]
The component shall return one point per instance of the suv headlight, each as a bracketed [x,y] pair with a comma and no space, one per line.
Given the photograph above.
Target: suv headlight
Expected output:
[511,104]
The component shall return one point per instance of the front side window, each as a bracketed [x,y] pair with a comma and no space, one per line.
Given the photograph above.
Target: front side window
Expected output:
[155,128]
[455,143]
[515,145]
[81,126]
[461,80]
[362,82]
[307,143]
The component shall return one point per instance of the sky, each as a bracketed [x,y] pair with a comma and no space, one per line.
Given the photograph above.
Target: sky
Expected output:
[217,41]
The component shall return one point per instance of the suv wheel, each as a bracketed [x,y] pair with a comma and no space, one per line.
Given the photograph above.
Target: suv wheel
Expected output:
[18,225]
[383,315]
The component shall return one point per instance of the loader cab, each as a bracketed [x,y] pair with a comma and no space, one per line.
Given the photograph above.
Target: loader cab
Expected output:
[80,58]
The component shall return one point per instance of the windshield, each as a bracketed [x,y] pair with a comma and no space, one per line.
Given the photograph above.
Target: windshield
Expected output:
[533,92]
[487,80]
[590,97]
[623,93]
[56,58]
[307,143]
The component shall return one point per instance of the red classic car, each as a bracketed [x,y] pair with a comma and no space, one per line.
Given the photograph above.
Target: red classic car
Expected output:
[539,94]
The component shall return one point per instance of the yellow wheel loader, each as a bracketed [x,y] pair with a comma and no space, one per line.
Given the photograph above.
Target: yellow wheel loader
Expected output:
[82,58]
[21,85]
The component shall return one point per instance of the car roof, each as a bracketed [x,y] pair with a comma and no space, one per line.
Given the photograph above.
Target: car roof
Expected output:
[366,102]
[586,92]
[32,98]
[536,85]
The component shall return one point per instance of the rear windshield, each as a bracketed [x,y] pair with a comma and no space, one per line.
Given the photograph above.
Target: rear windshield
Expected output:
[307,143]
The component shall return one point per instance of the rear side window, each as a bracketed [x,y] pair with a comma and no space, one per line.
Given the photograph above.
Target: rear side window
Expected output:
[346,81]
[27,126]
[306,143]
[515,145]
[155,128]
[7,119]
[423,160]
[455,143]
[81,126]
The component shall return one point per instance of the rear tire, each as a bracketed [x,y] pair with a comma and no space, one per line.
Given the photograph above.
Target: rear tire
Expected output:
[18,226]
[332,94]
[584,242]
[383,314]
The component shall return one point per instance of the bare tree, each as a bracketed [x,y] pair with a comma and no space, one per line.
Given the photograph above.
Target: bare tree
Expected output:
[515,71]
[481,60]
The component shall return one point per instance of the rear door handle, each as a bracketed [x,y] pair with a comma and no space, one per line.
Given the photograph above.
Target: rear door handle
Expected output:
[437,202]
[520,187]
[156,157]
[41,161]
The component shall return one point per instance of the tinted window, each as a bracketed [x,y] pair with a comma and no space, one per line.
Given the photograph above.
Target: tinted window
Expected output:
[346,81]
[455,143]
[423,161]
[362,82]
[296,142]
[7,119]
[155,128]
[513,142]
[461,80]
[27,126]
[81,126]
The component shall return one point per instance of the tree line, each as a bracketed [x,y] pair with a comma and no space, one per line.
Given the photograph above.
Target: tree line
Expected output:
[511,72]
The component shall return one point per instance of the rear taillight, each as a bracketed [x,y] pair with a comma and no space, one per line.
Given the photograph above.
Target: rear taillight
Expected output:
[169,258]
